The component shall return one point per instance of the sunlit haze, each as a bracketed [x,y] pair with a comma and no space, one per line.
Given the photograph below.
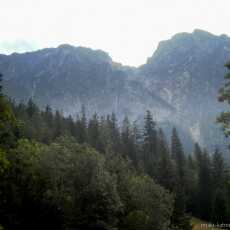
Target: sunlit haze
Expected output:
[129,30]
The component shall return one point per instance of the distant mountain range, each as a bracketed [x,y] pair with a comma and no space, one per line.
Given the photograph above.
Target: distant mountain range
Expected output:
[179,83]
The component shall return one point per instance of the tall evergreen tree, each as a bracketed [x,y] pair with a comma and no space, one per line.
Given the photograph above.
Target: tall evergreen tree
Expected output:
[204,194]
[94,135]
[191,189]
[166,175]
[179,218]
[58,121]
[150,156]
[224,96]
[179,157]
[219,194]
[48,115]
[114,133]
[128,141]
[197,153]
[32,108]
[8,128]
[82,126]
[137,139]
[1,94]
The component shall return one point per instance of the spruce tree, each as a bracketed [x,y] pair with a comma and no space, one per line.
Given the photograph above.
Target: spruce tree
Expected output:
[137,139]
[58,125]
[1,94]
[166,175]
[114,133]
[204,194]
[94,136]
[179,219]
[150,156]
[191,189]
[48,115]
[70,126]
[197,153]
[127,140]
[179,157]
[219,194]
[82,126]
[8,126]
[224,96]
[32,108]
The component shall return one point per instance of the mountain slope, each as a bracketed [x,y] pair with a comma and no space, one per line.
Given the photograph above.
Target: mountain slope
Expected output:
[188,71]
[179,83]
[67,77]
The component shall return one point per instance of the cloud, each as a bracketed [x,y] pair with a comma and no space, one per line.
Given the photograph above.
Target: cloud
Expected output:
[19,46]
[128,30]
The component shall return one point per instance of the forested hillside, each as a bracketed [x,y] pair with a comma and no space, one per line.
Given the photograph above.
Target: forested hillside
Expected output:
[82,173]
[179,84]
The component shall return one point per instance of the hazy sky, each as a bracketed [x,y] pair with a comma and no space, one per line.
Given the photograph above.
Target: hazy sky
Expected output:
[129,30]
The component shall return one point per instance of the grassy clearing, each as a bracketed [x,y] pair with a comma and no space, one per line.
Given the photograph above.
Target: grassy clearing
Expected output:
[197,225]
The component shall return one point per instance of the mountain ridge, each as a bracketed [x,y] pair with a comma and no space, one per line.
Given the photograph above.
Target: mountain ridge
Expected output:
[179,83]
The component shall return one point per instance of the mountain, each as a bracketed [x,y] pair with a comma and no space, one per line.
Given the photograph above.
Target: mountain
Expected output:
[179,83]
[67,77]
[188,71]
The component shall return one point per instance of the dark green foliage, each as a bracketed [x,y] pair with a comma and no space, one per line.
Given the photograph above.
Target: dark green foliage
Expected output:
[179,219]
[78,189]
[166,168]
[204,186]
[8,126]
[224,96]
[150,156]
[189,180]
[179,158]
[64,173]
[80,184]
[82,127]
[51,182]
[128,141]
[220,199]
[1,85]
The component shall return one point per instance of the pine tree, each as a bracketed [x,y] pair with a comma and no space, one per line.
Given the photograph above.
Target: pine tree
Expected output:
[82,126]
[70,126]
[48,116]
[137,139]
[191,189]
[1,94]
[150,156]
[32,108]
[179,219]
[179,157]
[197,153]
[219,195]
[224,96]
[8,126]
[166,172]
[128,141]
[114,133]
[47,119]
[94,136]
[204,194]
[58,125]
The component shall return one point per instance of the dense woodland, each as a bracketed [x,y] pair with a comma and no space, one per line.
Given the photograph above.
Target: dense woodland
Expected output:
[94,173]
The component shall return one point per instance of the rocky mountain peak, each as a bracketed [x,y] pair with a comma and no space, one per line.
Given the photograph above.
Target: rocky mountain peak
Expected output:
[87,54]
[179,83]
[186,50]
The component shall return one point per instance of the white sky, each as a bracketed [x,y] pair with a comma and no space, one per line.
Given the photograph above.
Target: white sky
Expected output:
[129,30]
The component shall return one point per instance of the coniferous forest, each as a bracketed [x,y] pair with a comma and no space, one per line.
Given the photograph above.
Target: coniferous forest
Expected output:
[83,173]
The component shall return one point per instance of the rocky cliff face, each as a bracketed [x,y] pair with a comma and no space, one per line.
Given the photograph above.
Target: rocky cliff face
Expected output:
[187,72]
[179,83]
